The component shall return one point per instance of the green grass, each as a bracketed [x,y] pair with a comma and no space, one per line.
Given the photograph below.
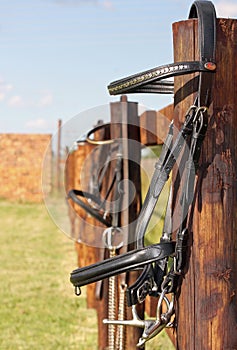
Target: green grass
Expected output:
[156,223]
[38,307]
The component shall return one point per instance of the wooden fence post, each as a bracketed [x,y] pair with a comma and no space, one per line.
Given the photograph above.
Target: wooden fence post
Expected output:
[58,160]
[126,114]
[207,305]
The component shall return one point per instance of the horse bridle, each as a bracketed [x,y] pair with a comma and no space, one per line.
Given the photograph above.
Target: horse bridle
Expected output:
[94,204]
[158,278]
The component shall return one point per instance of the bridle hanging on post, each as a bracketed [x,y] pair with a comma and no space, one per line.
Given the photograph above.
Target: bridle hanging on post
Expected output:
[158,278]
[105,207]
[95,203]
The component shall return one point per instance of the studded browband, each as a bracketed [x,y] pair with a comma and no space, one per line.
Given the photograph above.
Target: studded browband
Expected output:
[154,80]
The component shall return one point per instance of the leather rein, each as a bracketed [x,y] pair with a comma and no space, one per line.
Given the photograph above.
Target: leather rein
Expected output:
[162,265]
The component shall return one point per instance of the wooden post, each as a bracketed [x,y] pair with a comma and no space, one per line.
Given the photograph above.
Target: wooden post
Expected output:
[154,125]
[58,173]
[126,114]
[207,306]
[69,177]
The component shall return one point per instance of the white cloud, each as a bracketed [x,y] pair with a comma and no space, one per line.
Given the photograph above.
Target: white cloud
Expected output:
[5,88]
[46,100]
[226,9]
[106,4]
[15,101]
[76,2]
[37,124]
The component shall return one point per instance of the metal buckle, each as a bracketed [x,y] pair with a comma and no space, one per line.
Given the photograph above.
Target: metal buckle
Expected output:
[177,272]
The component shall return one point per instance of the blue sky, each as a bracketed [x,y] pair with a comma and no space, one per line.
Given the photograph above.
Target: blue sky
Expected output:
[58,56]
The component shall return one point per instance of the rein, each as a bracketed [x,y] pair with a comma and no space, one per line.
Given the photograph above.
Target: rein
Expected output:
[162,265]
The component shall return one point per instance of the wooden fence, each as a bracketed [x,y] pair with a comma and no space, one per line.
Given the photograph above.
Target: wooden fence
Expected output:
[19,179]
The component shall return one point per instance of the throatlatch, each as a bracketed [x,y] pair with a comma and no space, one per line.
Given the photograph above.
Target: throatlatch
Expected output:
[162,264]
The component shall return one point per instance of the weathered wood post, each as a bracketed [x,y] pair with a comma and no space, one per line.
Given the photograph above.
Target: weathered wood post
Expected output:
[207,305]
[58,159]
[69,177]
[126,114]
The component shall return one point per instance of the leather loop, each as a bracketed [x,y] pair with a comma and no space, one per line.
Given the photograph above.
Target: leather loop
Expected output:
[206,14]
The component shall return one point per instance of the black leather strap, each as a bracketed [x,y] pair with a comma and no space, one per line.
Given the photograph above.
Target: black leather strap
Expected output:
[121,263]
[161,174]
[75,195]
[206,14]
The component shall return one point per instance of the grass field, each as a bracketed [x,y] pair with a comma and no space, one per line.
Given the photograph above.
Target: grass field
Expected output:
[38,307]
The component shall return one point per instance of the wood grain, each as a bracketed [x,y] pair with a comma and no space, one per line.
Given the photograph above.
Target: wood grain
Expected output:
[207,305]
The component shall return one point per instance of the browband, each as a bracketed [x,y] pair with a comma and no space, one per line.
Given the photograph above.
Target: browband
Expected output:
[152,81]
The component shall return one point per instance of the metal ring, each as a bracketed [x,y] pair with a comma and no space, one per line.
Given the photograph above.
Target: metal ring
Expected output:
[99,142]
[108,237]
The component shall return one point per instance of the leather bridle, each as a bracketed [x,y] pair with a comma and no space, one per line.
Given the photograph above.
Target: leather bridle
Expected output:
[94,203]
[158,278]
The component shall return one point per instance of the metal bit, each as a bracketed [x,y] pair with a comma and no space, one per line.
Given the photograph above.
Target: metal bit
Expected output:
[152,328]
[135,321]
